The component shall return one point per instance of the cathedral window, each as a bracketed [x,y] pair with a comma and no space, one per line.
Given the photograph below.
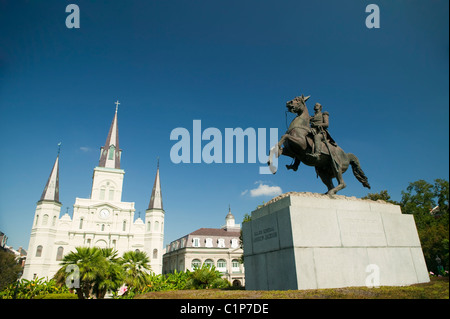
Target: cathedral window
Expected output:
[39,251]
[59,254]
[149,226]
[102,193]
[103,227]
[54,221]
[81,223]
[155,253]
[156,226]
[37,219]
[111,193]
[124,225]
[111,152]
[45,219]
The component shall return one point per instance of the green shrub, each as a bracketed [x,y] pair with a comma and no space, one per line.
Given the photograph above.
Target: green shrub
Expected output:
[58,296]
[203,278]
[28,289]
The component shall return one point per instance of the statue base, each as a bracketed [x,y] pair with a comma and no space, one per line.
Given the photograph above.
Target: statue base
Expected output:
[312,241]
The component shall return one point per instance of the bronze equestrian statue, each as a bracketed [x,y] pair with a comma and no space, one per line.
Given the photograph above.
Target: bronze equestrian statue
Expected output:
[307,140]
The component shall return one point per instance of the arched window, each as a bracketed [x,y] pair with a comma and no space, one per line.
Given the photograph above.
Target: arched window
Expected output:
[111,193]
[39,251]
[54,221]
[149,226]
[137,251]
[235,265]
[103,227]
[155,253]
[196,263]
[124,225]
[102,193]
[156,226]
[45,219]
[209,263]
[222,265]
[81,223]
[59,253]
[37,219]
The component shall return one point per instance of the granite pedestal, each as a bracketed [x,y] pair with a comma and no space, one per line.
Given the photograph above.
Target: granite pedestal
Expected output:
[311,241]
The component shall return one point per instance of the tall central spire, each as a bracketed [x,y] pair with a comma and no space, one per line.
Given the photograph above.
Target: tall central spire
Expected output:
[156,198]
[110,153]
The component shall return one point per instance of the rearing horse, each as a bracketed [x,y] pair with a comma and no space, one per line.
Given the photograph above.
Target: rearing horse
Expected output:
[298,144]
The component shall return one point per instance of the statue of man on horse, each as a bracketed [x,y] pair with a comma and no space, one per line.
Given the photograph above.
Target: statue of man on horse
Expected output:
[307,140]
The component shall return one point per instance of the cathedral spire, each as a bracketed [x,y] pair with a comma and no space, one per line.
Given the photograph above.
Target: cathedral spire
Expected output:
[51,190]
[110,153]
[156,198]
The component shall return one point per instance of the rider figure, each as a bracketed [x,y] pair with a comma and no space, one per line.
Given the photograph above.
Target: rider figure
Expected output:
[319,124]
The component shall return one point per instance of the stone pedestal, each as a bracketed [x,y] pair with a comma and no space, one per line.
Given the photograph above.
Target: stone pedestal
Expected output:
[312,241]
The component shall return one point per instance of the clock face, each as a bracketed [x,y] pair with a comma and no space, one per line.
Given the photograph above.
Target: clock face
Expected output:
[104,213]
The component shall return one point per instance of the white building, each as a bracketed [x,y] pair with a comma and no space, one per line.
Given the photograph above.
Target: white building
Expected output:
[103,220]
[219,247]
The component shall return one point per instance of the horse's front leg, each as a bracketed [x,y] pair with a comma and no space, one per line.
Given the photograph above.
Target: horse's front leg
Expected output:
[277,150]
[280,144]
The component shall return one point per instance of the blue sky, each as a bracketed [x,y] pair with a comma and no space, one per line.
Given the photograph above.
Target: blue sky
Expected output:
[229,64]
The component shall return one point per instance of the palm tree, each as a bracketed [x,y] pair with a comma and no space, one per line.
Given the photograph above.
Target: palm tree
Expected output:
[136,267]
[90,265]
[113,276]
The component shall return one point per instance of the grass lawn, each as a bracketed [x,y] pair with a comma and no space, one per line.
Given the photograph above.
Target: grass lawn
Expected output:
[437,288]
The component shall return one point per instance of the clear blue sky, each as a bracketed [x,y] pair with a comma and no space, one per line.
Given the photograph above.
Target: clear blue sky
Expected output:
[230,64]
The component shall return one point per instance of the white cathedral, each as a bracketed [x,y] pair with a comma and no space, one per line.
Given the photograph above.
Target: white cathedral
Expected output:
[103,220]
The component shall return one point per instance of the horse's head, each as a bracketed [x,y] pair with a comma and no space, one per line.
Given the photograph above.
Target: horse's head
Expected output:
[297,105]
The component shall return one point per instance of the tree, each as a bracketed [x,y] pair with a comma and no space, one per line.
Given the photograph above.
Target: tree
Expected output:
[206,277]
[113,276]
[91,266]
[419,199]
[136,268]
[9,269]
[382,195]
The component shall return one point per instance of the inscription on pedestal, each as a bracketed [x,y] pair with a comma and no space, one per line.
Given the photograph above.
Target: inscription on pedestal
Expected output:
[264,234]
[361,229]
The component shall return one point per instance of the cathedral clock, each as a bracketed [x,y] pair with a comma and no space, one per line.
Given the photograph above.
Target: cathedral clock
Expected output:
[104,213]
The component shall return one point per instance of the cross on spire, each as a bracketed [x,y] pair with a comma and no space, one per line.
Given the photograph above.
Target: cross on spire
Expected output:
[117,104]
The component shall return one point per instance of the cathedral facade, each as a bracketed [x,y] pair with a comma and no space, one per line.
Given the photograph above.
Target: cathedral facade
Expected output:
[103,220]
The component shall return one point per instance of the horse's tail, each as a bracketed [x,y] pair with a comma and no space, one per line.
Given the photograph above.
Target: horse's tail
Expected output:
[357,171]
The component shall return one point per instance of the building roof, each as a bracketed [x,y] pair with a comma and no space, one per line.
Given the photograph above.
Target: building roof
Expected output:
[215,232]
